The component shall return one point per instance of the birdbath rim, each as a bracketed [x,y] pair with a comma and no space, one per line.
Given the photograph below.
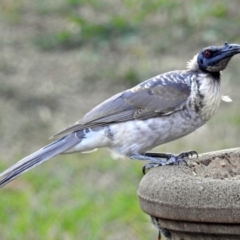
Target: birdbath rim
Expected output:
[193,193]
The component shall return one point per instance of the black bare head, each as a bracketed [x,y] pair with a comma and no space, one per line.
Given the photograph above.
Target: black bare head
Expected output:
[215,59]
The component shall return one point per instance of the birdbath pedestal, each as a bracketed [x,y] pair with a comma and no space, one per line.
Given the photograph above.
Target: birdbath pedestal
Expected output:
[200,201]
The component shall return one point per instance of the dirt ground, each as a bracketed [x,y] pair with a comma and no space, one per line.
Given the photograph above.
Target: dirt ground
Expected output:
[221,165]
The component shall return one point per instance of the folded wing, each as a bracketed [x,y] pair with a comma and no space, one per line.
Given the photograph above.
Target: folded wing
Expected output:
[157,96]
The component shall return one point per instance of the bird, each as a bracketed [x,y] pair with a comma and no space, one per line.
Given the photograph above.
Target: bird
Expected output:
[156,111]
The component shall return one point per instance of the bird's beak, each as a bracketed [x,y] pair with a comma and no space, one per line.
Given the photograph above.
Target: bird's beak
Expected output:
[229,50]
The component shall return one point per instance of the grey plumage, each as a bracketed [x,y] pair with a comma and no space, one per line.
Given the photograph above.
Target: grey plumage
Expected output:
[155,97]
[156,111]
[39,157]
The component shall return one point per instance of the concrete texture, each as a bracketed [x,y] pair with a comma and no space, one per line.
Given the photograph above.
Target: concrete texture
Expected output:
[203,197]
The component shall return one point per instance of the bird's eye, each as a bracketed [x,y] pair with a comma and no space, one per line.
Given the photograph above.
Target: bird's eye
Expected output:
[207,53]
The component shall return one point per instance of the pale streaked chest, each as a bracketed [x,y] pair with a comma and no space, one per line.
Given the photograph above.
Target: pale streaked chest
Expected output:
[207,95]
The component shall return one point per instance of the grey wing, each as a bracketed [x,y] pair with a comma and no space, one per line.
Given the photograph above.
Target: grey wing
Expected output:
[157,96]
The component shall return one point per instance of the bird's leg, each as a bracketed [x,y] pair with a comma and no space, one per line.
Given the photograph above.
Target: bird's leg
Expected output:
[156,159]
[170,155]
[158,155]
[148,157]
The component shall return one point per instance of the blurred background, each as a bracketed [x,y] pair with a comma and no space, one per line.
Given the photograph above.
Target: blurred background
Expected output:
[60,58]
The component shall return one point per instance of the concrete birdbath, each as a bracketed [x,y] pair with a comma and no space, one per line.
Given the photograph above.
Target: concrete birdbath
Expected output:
[200,201]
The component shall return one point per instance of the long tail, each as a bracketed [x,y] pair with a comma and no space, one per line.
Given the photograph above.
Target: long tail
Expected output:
[37,158]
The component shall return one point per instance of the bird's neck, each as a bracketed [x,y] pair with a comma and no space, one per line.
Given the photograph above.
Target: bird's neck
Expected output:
[208,94]
[216,76]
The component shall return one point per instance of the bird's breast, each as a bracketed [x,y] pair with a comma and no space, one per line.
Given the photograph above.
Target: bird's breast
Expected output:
[139,136]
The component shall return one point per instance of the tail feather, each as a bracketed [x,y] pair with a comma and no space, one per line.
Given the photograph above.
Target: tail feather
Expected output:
[37,158]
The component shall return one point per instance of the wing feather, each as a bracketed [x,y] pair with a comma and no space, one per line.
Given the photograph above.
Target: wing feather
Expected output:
[160,95]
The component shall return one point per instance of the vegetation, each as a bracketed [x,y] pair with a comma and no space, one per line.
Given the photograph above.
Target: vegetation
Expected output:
[60,58]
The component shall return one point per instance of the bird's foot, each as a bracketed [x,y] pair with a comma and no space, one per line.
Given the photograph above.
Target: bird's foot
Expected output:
[171,159]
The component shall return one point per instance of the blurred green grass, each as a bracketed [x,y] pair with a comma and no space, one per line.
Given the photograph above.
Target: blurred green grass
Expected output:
[59,59]
[89,198]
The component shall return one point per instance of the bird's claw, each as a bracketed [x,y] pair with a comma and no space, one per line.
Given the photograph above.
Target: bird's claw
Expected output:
[149,166]
[171,160]
[188,154]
